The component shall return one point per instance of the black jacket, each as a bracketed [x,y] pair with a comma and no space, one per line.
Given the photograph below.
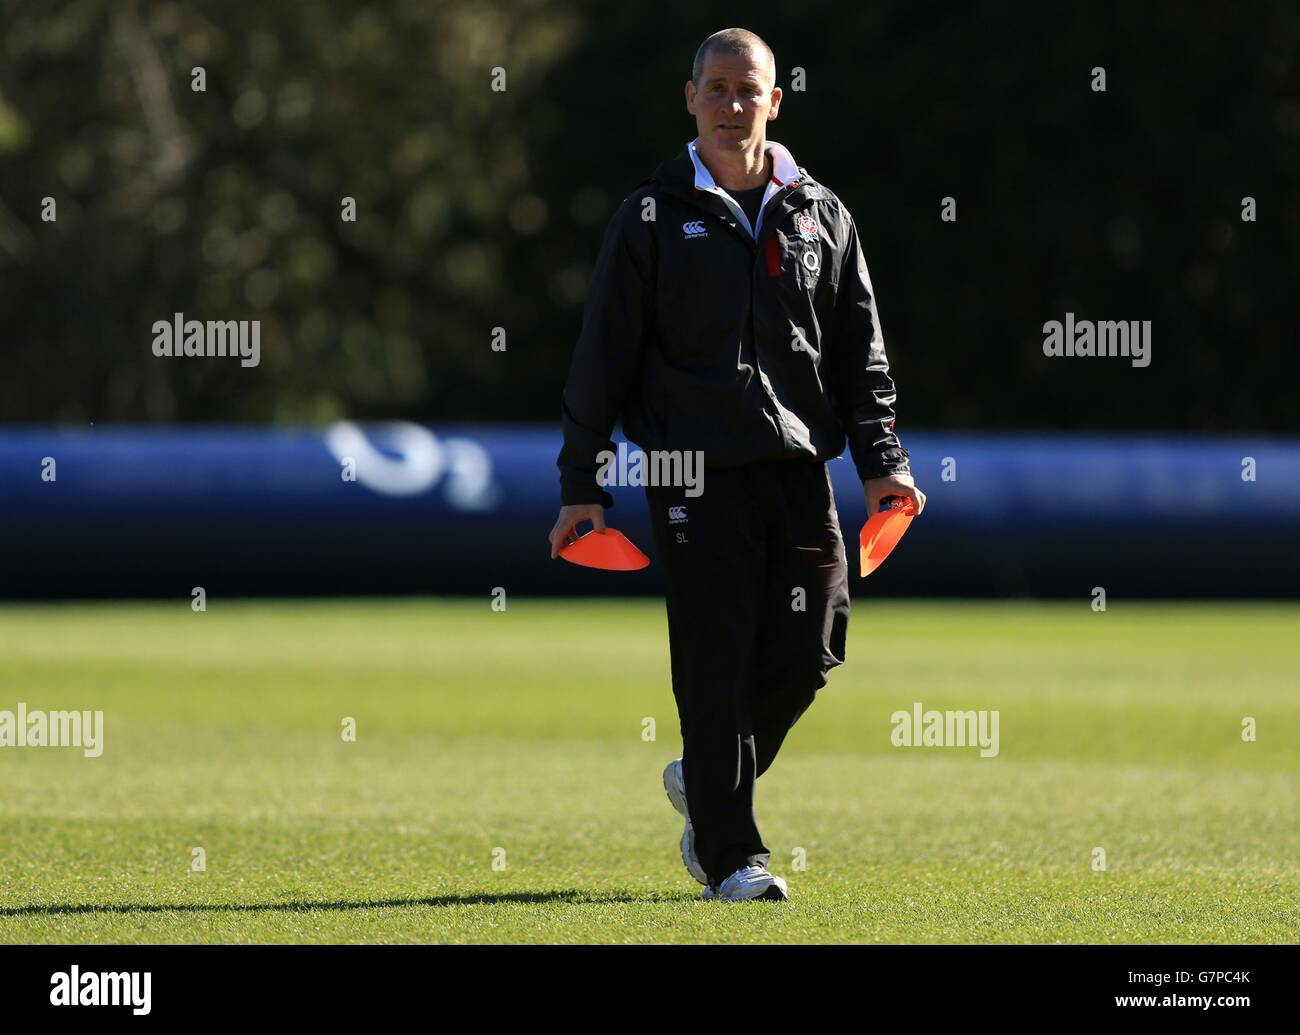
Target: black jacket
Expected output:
[701,338]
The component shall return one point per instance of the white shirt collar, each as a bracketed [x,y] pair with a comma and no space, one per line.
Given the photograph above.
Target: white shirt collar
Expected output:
[784,170]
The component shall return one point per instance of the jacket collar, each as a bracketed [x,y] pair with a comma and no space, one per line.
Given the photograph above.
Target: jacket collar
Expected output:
[689,177]
[784,168]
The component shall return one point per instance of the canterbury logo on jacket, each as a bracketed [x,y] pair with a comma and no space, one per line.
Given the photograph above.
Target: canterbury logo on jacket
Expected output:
[748,343]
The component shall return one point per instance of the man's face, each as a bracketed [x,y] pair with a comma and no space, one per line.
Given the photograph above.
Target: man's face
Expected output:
[734,101]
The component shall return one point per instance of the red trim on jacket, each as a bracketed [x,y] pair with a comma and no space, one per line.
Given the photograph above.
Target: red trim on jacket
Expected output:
[773,251]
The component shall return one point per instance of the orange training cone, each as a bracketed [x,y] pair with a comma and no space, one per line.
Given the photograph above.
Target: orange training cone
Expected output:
[612,551]
[882,532]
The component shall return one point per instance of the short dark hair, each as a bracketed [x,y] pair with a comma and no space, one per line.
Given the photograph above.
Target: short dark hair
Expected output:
[731,41]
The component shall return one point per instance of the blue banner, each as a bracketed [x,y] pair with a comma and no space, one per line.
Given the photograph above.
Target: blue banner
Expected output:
[404,508]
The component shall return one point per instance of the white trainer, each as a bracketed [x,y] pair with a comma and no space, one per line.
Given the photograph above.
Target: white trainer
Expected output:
[749,882]
[675,785]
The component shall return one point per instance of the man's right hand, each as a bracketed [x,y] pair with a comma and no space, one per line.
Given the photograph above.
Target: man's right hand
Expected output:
[565,530]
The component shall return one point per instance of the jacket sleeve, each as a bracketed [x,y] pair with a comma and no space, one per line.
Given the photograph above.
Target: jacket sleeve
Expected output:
[607,357]
[860,383]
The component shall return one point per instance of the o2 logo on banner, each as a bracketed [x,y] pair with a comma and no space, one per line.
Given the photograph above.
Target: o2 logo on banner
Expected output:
[404,459]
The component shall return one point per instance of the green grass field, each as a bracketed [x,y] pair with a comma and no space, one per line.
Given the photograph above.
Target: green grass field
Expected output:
[522,731]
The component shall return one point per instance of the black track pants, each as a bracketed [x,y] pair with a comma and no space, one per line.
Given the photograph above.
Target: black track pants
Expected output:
[758,609]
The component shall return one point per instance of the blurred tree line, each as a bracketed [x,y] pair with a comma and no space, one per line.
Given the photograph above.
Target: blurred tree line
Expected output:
[480,208]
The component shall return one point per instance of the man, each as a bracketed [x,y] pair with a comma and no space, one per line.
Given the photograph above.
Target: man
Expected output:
[731,312]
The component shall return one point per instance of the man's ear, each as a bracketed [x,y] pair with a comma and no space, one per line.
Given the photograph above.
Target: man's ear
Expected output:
[776,103]
[690,96]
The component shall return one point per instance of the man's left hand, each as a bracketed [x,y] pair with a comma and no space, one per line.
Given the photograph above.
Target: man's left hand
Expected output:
[892,485]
